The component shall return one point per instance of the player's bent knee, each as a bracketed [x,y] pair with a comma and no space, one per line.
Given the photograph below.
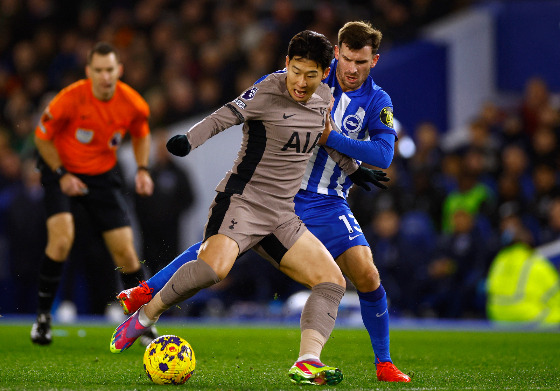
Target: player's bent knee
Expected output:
[59,247]
[338,279]
[368,281]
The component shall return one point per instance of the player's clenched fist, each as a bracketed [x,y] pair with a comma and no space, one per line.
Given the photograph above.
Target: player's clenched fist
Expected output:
[179,145]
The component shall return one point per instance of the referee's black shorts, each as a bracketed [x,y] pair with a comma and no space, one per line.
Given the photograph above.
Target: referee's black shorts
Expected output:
[105,203]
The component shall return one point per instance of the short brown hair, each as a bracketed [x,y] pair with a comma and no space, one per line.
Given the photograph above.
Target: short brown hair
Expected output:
[102,48]
[359,34]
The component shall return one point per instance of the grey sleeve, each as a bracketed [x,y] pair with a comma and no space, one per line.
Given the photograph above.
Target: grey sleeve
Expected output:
[249,105]
[346,163]
[213,124]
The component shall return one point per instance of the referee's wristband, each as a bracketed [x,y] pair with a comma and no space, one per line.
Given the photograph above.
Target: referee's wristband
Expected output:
[60,172]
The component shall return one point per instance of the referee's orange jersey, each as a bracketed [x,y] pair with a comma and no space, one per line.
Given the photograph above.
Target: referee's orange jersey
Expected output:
[87,131]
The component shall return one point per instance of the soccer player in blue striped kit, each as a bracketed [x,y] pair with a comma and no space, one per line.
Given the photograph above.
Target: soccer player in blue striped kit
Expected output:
[363,119]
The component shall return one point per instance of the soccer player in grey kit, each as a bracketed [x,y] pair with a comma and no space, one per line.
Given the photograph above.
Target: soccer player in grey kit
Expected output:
[283,118]
[362,114]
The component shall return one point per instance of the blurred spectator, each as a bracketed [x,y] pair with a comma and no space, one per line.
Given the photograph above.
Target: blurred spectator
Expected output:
[551,231]
[209,94]
[522,285]
[159,216]
[450,171]
[426,196]
[26,233]
[428,153]
[545,147]
[456,273]
[513,132]
[384,235]
[483,140]
[493,117]
[10,169]
[545,179]
[181,99]
[471,196]
[509,197]
[285,21]
[536,97]
[391,240]
[515,162]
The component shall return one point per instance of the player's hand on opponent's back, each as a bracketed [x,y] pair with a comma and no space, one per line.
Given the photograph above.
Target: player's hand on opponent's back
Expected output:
[179,145]
[363,175]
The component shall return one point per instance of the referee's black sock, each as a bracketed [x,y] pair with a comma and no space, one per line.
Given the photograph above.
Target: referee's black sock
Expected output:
[130,280]
[50,275]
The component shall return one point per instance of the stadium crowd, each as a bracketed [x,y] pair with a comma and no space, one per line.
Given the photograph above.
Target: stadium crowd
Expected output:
[434,232]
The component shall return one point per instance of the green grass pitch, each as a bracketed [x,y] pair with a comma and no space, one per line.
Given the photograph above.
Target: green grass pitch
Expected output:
[258,358]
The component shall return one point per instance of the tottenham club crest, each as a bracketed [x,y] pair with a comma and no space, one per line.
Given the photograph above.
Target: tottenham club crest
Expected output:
[386,116]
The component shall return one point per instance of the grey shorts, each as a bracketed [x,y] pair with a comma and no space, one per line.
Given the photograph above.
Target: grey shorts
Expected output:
[274,226]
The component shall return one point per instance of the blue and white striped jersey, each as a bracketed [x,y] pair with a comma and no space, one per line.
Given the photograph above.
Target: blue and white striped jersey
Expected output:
[359,115]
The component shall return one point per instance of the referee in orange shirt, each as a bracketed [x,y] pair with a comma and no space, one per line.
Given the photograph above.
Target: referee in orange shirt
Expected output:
[77,139]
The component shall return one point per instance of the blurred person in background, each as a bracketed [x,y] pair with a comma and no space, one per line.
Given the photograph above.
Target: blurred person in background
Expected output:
[394,239]
[515,162]
[77,139]
[544,147]
[522,285]
[545,179]
[512,132]
[26,234]
[471,195]
[456,272]
[551,230]
[159,216]
[428,154]
[536,97]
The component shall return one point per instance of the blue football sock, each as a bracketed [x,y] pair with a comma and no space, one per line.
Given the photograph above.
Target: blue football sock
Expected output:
[375,316]
[159,279]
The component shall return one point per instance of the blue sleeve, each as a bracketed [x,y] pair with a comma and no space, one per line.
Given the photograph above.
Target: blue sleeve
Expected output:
[377,151]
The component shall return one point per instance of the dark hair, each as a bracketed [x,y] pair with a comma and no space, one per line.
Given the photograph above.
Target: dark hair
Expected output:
[359,34]
[312,46]
[102,48]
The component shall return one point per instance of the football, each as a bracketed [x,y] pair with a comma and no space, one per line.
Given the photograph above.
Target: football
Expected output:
[169,359]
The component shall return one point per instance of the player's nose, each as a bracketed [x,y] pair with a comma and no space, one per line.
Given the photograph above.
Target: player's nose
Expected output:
[301,82]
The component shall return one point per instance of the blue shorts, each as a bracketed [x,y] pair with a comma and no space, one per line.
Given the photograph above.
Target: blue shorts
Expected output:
[330,219]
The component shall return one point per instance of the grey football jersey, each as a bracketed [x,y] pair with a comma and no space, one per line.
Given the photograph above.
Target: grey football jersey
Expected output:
[279,135]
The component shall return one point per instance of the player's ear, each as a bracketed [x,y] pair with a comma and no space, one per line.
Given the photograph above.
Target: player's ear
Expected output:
[287,61]
[374,61]
[336,51]
[326,73]
[87,71]
[120,70]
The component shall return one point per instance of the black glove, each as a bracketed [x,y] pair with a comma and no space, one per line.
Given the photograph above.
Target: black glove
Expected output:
[363,175]
[179,145]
